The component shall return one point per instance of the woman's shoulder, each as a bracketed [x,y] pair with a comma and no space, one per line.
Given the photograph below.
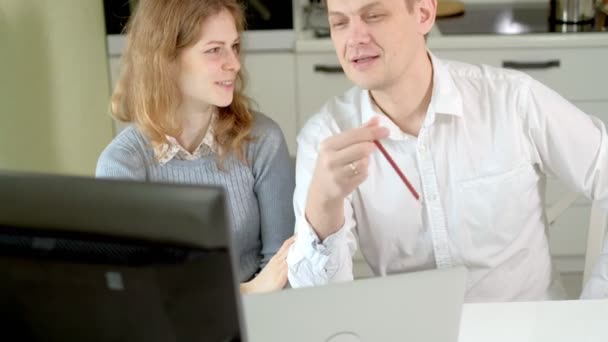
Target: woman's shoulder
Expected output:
[266,137]
[265,127]
[129,140]
[129,145]
[125,157]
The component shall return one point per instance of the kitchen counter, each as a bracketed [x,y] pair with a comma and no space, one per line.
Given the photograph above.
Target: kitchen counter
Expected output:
[549,321]
[307,43]
[490,26]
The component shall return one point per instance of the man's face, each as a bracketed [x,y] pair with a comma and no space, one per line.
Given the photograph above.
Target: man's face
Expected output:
[376,40]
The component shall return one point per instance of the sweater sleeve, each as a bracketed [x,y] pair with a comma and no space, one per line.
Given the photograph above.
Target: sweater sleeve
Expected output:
[274,185]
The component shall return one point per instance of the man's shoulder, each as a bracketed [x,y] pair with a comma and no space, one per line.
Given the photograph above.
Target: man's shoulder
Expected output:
[484,73]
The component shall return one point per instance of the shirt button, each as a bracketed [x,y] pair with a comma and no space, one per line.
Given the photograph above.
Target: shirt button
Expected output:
[432,197]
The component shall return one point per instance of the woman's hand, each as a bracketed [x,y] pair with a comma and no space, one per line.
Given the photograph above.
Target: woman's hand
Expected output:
[274,275]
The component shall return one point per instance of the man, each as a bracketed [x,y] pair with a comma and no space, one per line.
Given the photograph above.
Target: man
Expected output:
[474,141]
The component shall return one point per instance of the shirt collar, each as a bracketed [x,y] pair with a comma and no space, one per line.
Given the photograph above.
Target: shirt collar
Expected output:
[445,99]
[171,148]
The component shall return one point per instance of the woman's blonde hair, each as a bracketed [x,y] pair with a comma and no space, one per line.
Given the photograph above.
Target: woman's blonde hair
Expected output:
[147,93]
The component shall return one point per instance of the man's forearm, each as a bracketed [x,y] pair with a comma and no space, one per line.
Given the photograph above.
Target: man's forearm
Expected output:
[325,217]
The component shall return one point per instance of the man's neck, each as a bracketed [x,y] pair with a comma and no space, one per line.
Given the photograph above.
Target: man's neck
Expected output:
[406,102]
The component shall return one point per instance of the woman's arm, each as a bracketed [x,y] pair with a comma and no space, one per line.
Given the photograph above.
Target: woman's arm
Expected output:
[274,184]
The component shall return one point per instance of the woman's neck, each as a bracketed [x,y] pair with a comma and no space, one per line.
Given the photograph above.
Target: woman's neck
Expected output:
[194,123]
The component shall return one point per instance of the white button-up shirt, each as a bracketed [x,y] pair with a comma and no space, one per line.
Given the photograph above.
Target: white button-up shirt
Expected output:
[489,138]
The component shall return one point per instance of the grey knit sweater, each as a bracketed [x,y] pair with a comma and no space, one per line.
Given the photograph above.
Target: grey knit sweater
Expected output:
[259,194]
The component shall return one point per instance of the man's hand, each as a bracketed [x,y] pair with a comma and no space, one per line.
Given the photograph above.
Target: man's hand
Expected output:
[342,165]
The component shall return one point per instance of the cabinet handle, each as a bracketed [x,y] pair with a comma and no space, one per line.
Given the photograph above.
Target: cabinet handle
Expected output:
[328,69]
[554,63]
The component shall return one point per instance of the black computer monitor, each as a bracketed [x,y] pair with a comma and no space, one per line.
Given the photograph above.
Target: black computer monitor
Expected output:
[101,260]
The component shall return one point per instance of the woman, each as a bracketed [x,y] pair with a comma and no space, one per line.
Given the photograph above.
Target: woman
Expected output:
[182,88]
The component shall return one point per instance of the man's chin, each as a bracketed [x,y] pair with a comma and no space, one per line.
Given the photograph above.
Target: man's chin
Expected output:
[365,80]
[367,83]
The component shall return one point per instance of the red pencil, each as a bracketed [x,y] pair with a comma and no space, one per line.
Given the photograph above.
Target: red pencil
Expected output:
[396,168]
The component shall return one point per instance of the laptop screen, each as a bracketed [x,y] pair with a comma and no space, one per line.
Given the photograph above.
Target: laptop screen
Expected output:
[66,277]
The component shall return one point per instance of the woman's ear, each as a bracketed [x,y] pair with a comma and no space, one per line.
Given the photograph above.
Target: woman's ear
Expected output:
[427,10]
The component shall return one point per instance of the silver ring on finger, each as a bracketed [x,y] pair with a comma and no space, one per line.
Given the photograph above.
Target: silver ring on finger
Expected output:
[353,168]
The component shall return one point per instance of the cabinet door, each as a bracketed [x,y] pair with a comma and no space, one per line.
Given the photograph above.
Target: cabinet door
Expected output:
[114,73]
[271,84]
[114,69]
[320,77]
[571,72]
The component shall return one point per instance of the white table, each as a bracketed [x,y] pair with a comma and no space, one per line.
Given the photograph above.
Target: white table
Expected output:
[549,321]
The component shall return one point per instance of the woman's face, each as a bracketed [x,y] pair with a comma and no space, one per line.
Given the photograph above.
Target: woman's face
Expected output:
[208,69]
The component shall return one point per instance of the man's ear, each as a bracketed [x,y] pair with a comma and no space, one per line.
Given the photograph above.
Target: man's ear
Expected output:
[426,10]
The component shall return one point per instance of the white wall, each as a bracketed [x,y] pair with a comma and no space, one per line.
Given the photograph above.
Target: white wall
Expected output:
[54,86]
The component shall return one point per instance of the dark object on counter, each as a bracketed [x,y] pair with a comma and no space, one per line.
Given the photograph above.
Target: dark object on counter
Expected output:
[601,16]
[449,8]
[572,12]
[571,15]
[508,19]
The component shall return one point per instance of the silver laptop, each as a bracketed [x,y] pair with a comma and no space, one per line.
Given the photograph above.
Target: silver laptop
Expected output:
[420,306]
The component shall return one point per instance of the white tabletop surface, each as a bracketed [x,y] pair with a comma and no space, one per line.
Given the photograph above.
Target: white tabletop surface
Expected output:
[550,321]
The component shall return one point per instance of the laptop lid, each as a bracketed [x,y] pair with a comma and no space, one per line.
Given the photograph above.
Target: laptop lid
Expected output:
[421,306]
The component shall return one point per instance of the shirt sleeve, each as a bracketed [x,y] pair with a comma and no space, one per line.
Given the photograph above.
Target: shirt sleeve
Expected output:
[573,146]
[311,261]
[274,183]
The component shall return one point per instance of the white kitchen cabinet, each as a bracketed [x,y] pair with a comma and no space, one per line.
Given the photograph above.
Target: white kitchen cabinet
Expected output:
[271,84]
[571,72]
[114,62]
[114,69]
[319,77]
